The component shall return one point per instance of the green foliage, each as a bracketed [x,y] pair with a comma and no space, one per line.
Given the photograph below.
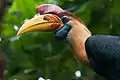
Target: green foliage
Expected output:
[35,55]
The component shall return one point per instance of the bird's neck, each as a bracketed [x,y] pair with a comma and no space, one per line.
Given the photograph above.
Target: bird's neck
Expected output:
[78,36]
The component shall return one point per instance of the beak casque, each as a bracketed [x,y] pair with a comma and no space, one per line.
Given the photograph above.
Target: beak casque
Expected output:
[40,24]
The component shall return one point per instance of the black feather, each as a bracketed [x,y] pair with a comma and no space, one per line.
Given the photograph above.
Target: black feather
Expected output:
[103,52]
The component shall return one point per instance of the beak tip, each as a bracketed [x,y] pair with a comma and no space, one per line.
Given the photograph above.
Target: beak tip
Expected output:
[18,33]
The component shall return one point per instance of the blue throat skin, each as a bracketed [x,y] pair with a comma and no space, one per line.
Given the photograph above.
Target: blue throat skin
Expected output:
[64,32]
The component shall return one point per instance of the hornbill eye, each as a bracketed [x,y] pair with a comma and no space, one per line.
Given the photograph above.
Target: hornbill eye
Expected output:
[65,19]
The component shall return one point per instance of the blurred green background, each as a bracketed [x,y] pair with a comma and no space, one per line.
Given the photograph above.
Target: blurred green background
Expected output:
[34,56]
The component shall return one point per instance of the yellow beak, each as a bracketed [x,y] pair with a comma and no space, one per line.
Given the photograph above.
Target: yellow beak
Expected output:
[47,22]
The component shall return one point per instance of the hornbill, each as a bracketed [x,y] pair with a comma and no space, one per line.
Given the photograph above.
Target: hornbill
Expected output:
[100,52]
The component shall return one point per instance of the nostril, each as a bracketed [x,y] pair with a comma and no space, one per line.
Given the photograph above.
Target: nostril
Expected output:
[65,19]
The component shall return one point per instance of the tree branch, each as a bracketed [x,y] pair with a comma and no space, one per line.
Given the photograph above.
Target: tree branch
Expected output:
[2,6]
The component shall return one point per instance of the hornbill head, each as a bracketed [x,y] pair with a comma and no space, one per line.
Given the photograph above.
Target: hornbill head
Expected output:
[46,22]
[49,20]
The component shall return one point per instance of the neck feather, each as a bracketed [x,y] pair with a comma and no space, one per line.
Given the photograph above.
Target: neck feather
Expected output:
[78,35]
